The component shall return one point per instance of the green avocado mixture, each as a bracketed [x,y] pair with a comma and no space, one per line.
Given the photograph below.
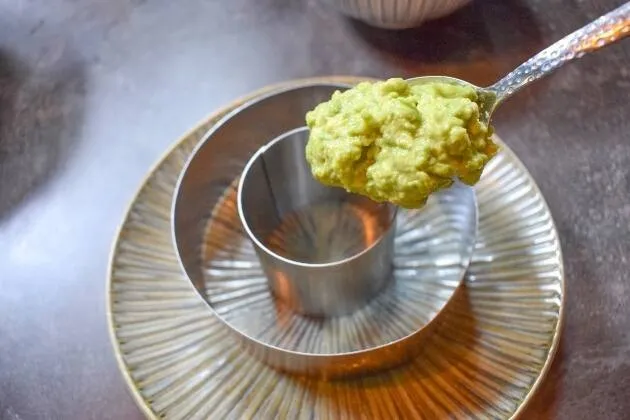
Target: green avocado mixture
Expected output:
[391,141]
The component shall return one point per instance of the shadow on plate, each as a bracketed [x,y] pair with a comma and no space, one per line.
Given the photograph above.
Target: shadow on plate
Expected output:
[406,379]
[462,368]
[40,116]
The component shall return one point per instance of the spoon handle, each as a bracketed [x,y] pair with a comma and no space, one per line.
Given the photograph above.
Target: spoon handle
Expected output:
[603,31]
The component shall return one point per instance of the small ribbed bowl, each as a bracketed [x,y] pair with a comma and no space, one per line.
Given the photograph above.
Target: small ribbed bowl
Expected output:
[432,250]
[395,14]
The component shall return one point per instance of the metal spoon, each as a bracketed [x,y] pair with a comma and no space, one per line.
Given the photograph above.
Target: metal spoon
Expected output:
[603,31]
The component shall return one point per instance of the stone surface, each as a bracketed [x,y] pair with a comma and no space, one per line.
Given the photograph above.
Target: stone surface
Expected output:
[92,93]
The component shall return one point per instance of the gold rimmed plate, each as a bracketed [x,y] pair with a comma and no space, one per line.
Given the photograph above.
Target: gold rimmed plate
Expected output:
[486,358]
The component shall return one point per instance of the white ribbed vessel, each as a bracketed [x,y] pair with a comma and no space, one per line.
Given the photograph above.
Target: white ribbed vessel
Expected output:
[395,14]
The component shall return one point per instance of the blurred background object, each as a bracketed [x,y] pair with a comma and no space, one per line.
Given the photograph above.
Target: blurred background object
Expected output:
[395,14]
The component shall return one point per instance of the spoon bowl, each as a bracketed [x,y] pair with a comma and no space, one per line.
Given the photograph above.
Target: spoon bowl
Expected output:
[486,97]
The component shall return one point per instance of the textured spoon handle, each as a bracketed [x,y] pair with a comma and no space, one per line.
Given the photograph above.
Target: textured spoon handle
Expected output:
[607,29]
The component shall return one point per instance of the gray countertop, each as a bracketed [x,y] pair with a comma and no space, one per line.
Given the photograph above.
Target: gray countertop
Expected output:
[92,93]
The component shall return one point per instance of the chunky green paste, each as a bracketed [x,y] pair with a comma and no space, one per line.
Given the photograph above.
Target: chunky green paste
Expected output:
[391,141]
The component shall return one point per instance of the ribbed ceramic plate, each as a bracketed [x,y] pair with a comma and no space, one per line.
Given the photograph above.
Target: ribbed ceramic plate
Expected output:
[494,345]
